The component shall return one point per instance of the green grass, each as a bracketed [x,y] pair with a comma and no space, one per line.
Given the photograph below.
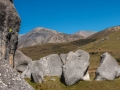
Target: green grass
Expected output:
[112,46]
[82,85]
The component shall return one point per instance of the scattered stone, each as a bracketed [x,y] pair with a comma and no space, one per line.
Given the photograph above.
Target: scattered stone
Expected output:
[107,38]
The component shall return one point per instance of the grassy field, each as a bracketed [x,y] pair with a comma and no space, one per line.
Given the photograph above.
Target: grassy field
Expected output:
[82,85]
[94,47]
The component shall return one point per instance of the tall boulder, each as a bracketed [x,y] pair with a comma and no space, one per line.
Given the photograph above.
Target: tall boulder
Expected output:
[9,27]
[21,61]
[75,66]
[108,68]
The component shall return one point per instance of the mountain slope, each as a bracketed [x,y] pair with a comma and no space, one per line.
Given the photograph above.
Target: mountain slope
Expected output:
[104,33]
[88,43]
[41,36]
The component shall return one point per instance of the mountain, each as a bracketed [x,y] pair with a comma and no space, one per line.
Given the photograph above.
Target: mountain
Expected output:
[85,33]
[42,35]
[46,49]
[20,35]
[104,33]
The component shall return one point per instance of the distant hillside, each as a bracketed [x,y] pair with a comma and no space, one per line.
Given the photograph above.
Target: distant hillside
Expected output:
[104,32]
[42,36]
[37,51]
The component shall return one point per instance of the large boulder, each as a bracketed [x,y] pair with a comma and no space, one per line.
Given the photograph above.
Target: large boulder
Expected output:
[9,27]
[21,61]
[10,78]
[50,65]
[108,68]
[75,66]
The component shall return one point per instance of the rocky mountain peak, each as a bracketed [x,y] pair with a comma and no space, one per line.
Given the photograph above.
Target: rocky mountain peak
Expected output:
[85,33]
[115,28]
[42,35]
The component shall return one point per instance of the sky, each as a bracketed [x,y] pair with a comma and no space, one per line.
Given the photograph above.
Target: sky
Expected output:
[68,16]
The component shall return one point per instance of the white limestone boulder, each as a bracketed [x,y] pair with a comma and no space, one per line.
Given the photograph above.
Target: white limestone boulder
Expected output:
[108,68]
[76,66]
[50,65]
[21,61]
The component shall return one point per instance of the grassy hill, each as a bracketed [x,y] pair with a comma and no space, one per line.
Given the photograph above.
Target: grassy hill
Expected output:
[106,43]
[39,51]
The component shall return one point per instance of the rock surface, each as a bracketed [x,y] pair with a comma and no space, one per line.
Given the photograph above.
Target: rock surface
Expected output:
[9,27]
[75,66]
[21,61]
[10,79]
[108,68]
[50,65]
[9,19]
[42,35]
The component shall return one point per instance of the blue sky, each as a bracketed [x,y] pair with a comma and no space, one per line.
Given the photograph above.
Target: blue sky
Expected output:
[68,16]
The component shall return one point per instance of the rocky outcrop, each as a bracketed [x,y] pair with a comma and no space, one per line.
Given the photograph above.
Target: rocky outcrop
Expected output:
[108,68]
[10,78]
[50,65]
[9,27]
[75,66]
[42,35]
[21,61]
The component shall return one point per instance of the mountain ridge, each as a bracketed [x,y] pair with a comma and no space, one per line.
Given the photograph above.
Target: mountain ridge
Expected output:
[104,32]
[41,35]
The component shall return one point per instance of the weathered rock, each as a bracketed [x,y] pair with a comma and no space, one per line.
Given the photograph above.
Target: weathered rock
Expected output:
[10,78]
[27,72]
[21,61]
[9,27]
[9,19]
[50,65]
[76,67]
[108,68]
[36,73]
[63,58]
